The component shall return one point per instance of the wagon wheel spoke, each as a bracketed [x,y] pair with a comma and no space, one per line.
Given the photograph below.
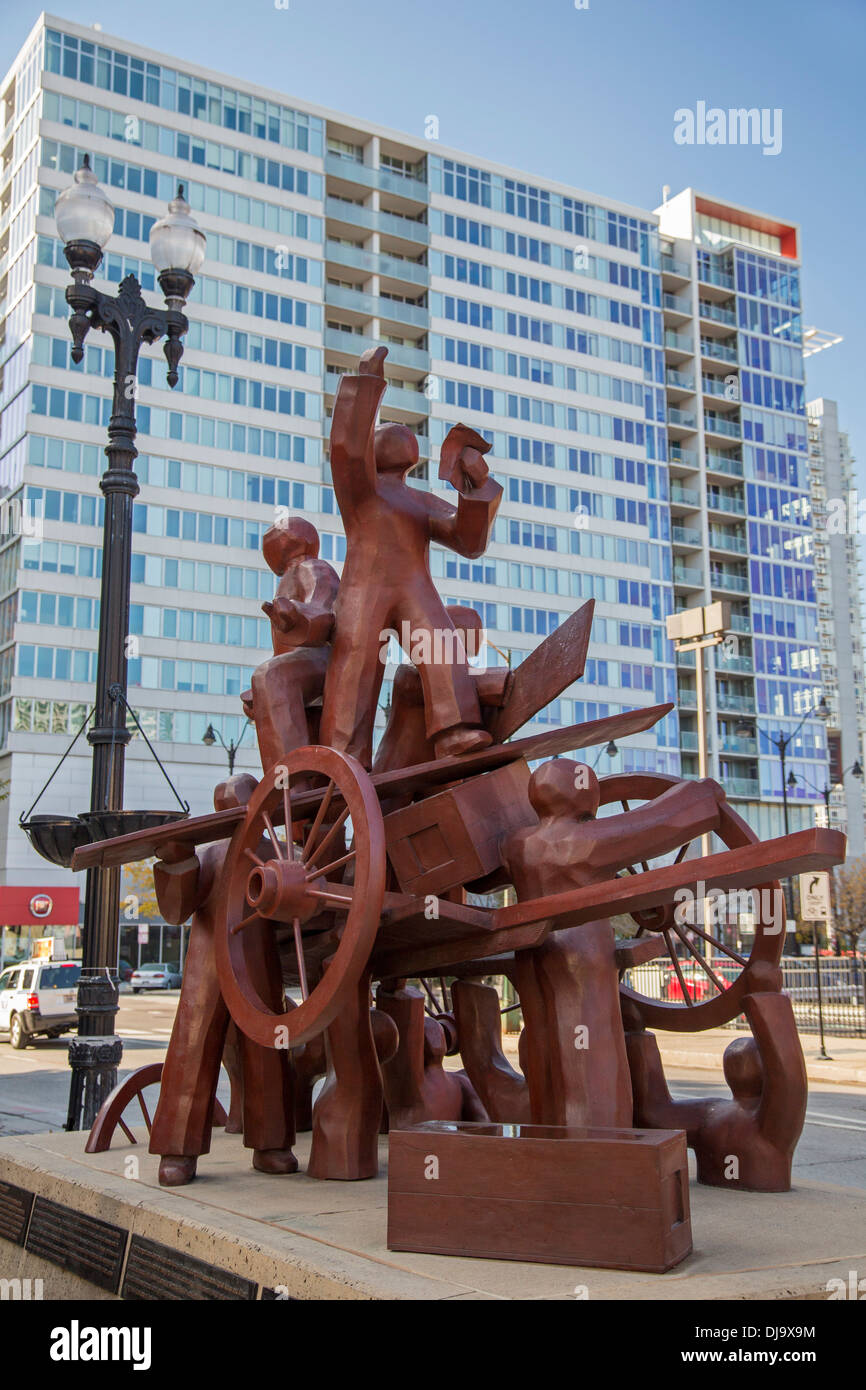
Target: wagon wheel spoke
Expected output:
[127,1131]
[144,1111]
[299,955]
[317,823]
[334,864]
[719,945]
[246,922]
[676,964]
[435,1005]
[334,899]
[279,845]
[702,961]
[310,856]
[255,858]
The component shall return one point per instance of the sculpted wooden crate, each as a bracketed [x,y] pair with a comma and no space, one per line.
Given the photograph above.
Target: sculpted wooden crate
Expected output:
[615,1198]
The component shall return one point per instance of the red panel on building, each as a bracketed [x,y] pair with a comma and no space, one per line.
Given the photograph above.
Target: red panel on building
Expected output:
[50,907]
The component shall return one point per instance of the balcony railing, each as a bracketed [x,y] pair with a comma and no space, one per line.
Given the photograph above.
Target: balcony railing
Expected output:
[386,180]
[709,276]
[722,579]
[671,266]
[356,343]
[748,747]
[741,786]
[724,463]
[684,575]
[725,502]
[685,496]
[681,341]
[687,457]
[684,418]
[677,304]
[672,378]
[397,398]
[726,540]
[714,347]
[717,314]
[719,424]
[340,209]
[745,704]
[684,535]
[393,266]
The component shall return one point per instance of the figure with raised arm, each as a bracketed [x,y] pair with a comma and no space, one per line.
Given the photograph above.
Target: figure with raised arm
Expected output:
[386,584]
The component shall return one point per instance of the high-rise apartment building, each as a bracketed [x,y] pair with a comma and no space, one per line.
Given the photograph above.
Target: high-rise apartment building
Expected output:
[839,590]
[588,339]
[741,515]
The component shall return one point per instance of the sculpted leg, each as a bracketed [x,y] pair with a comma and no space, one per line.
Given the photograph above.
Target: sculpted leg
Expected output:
[269,1111]
[577,974]
[502,1090]
[347,1113]
[182,1123]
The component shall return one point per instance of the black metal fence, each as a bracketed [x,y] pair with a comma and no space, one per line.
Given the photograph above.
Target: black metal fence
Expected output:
[843,989]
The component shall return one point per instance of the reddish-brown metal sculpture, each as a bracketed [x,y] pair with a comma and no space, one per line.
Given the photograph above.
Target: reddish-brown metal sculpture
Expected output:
[334,872]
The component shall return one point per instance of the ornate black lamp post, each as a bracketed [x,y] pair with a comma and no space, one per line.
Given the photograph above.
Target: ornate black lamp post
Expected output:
[85,219]
[210,736]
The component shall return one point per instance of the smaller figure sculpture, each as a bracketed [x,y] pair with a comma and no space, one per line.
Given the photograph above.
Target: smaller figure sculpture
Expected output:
[746,1140]
[286,688]
[417,1086]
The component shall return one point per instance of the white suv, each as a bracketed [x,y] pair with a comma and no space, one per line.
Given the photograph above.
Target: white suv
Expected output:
[38,996]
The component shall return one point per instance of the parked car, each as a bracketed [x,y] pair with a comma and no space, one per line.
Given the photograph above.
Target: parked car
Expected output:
[154,976]
[699,985]
[38,997]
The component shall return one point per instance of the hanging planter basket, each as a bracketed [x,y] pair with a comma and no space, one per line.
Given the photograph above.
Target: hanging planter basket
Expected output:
[107,825]
[56,838]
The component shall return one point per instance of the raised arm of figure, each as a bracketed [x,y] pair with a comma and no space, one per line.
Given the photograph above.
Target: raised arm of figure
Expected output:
[353,463]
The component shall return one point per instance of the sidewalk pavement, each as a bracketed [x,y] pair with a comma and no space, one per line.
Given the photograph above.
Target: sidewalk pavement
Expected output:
[703,1052]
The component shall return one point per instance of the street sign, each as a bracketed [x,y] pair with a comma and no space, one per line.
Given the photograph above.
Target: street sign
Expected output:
[143,933]
[815,897]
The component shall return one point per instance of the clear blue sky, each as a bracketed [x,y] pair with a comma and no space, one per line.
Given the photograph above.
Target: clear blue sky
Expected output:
[584,96]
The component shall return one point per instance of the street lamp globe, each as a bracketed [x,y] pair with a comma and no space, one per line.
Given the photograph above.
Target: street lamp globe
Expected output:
[177,249]
[208,738]
[856,770]
[85,220]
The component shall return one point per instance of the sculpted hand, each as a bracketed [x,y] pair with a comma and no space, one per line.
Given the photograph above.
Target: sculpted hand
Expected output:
[283,613]
[372,362]
[473,469]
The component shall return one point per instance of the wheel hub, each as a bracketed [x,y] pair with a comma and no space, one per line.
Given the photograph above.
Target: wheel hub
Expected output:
[278,890]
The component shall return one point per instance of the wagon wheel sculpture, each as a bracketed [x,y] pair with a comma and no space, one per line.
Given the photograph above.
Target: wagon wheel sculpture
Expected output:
[726,999]
[305,880]
[113,1108]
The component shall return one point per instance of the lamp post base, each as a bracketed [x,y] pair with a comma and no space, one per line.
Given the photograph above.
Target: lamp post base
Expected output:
[94,1062]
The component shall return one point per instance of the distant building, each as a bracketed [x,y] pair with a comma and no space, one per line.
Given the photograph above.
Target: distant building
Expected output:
[839,588]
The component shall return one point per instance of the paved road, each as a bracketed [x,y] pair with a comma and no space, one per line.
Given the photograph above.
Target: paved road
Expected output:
[34,1085]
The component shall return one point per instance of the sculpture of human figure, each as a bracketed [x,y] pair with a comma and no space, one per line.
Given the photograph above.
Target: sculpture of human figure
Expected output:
[285,687]
[417,1086]
[747,1139]
[405,741]
[575,1056]
[182,1124]
[386,584]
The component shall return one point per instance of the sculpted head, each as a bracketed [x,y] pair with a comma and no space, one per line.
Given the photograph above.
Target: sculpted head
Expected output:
[743,1070]
[292,539]
[396,449]
[563,787]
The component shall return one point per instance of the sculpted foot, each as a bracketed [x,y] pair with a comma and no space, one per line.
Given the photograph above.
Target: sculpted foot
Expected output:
[175,1170]
[274,1161]
[460,739]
